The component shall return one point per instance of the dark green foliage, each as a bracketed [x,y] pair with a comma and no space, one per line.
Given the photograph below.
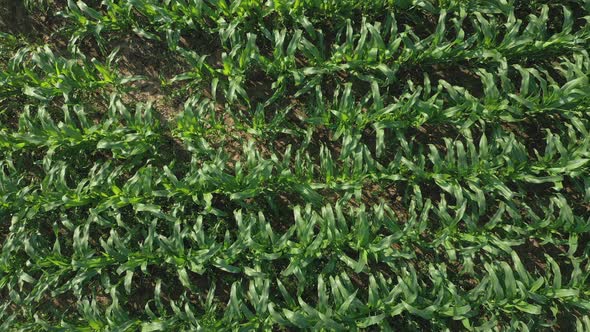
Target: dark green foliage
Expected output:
[296,164]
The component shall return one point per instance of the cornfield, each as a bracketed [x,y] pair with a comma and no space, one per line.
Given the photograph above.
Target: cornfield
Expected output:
[280,165]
